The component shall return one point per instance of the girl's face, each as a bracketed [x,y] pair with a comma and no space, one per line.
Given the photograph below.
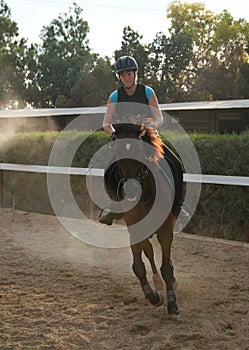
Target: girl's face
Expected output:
[127,78]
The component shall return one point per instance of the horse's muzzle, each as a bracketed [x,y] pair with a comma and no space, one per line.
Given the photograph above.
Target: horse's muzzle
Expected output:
[132,190]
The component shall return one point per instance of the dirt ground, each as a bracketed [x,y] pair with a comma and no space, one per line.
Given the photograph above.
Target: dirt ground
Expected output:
[59,293]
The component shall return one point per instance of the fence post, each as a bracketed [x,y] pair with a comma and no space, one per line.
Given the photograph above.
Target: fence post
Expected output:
[1,186]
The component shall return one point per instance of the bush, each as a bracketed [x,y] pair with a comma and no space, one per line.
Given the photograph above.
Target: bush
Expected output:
[222,211]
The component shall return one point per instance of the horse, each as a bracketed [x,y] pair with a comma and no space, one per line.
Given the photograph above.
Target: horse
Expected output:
[135,180]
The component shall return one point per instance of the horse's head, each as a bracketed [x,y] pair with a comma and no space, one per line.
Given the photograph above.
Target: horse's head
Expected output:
[130,155]
[136,146]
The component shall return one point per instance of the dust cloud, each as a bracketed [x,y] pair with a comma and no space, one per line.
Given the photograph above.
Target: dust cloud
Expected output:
[8,130]
[10,126]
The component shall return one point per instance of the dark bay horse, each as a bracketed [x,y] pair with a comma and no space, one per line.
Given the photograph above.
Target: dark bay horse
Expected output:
[143,185]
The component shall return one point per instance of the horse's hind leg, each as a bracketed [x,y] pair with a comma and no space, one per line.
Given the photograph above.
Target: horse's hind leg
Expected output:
[138,267]
[149,253]
[167,270]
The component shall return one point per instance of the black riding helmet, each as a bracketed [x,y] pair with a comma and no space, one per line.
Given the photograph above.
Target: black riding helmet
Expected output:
[125,63]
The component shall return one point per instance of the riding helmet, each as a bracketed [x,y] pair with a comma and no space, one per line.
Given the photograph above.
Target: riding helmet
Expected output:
[126,63]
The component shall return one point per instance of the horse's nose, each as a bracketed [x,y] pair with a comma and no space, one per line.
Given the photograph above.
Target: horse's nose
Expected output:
[132,190]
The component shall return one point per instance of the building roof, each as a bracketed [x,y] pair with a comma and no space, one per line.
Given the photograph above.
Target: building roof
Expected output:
[180,106]
[202,105]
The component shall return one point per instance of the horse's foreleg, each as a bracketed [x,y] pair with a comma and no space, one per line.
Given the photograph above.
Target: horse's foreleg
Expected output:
[149,253]
[139,270]
[167,271]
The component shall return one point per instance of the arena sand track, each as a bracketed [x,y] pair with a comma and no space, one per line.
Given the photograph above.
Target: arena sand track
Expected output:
[59,293]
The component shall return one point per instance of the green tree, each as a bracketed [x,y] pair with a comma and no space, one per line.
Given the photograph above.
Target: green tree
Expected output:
[230,40]
[63,56]
[12,61]
[198,23]
[219,48]
[214,82]
[242,81]
[33,92]
[168,58]
[131,45]
[93,87]
[223,76]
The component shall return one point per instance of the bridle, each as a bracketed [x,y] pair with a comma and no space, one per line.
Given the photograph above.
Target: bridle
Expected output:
[139,176]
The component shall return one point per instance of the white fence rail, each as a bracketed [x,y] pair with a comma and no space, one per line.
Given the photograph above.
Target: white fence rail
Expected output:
[194,178]
[167,107]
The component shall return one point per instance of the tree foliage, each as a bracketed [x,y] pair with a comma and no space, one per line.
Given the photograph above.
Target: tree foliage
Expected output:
[202,57]
[91,89]
[194,20]
[12,56]
[64,54]
[168,59]
[131,45]
[219,48]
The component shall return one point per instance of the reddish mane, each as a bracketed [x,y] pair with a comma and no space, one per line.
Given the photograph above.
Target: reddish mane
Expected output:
[149,135]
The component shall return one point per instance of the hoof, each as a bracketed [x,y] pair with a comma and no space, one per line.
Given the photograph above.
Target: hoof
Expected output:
[106,219]
[109,217]
[176,318]
[156,298]
[172,309]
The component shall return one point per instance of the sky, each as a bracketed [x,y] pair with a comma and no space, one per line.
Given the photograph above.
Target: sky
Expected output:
[107,19]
